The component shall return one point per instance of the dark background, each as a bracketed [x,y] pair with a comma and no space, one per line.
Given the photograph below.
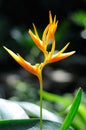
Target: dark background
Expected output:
[16,17]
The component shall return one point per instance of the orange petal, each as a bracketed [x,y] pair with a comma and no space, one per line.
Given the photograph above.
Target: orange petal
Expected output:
[45,33]
[50,17]
[26,65]
[58,57]
[51,32]
[36,33]
[53,24]
[63,49]
[53,48]
[36,40]
[54,19]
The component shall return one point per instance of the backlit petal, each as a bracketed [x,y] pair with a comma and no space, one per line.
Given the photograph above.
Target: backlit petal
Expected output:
[35,31]
[26,65]
[62,56]
[63,49]
[50,17]
[37,41]
[45,33]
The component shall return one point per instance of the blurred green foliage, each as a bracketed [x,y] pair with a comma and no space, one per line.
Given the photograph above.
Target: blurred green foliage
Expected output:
[79,18]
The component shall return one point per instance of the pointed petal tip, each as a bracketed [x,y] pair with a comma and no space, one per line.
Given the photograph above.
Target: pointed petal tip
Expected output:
[67,44]
[33,24]
[29,31]
[50,17]
[68,54]
[49,12]
[57,22]
[65,47]
[6,48]
[72,52]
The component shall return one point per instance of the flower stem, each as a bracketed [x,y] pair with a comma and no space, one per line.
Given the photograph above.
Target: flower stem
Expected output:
[41,89]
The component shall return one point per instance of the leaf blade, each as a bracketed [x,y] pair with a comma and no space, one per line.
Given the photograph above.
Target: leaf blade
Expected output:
[28,124]
[73,110]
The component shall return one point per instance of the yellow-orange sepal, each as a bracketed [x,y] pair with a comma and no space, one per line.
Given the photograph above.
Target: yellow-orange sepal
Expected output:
[26,65]
[48,34]
[36,39]
[60,55]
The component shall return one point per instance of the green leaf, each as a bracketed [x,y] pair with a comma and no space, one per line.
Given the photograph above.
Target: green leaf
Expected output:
[28,124]
[11,110]
[34,110]
[79,122]
[73,110]
[56,98]
[21,110]
[82,112]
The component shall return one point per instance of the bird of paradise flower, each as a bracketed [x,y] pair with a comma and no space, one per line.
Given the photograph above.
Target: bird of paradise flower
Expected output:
[49,56]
